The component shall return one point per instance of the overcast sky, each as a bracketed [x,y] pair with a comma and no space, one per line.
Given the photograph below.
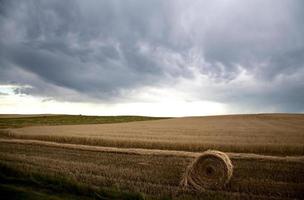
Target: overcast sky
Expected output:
[151,57]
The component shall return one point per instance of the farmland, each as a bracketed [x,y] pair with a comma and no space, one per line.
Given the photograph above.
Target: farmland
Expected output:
[17,121]
[266,134]
[146,159]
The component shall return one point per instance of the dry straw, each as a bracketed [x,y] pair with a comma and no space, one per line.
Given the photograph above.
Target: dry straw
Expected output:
[211,170]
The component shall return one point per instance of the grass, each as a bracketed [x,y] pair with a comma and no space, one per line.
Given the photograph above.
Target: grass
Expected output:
[19,184]
[17,122]
[13,192]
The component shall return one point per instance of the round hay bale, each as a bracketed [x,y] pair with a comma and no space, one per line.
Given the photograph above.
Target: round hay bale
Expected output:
[211,170]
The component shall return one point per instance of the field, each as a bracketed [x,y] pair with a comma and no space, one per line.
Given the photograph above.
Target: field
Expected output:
[266,134]
[146,159]
[17,121]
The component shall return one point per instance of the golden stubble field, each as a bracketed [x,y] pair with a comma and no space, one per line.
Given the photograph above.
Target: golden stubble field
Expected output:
[150,157]
[267,134]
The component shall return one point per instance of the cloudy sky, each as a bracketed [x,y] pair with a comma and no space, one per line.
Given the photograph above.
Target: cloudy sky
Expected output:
[151,57]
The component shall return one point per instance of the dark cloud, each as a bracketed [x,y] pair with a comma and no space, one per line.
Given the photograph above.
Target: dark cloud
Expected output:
[87,48]
[96,50]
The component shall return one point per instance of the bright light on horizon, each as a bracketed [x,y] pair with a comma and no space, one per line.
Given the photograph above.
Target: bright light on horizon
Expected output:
[173,106]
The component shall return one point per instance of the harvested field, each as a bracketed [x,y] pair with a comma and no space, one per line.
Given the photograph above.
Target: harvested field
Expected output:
[280,134]
[154,175]
[154,152]
[138,160]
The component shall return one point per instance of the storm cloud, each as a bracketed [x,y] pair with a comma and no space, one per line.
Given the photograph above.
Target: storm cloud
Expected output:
[241,53]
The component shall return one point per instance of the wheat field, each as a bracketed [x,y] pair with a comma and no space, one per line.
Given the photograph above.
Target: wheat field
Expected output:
[147,159]
[266,134]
